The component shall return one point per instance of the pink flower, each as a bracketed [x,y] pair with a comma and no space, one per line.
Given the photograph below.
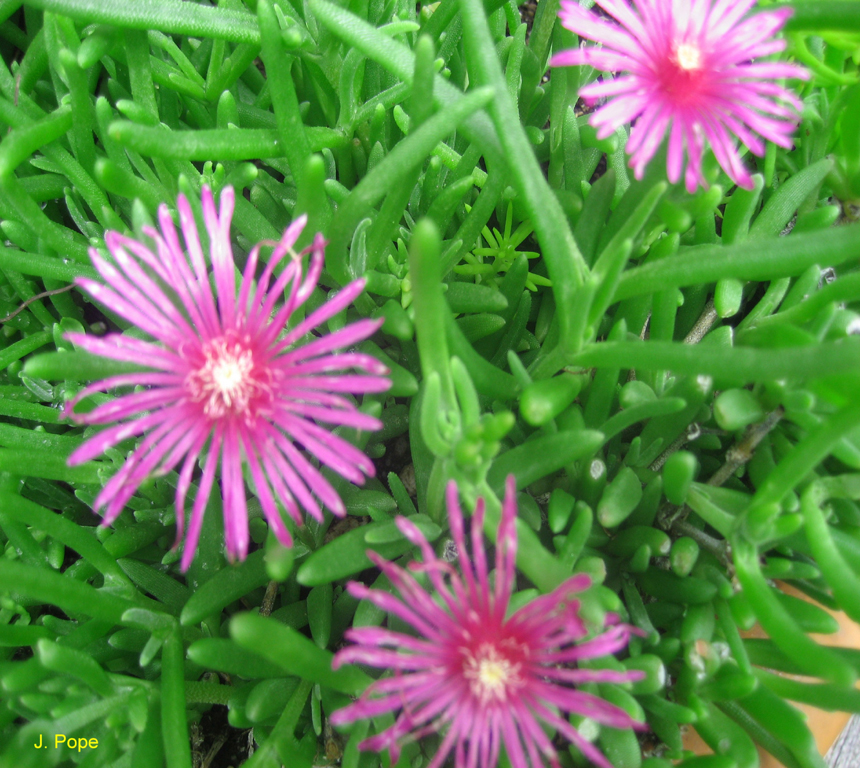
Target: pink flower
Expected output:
[489,678]
[689,71]
[228,383]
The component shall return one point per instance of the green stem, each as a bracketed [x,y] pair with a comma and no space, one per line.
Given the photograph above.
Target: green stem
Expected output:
[173,710]
[140,71]
[22,142]
[735,364]
[170,16]
[24,347]
[285,103]
[567,268]
[771,259]
[431,310]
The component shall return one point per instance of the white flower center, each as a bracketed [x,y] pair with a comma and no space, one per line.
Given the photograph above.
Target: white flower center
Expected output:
[225,383]
[228,375]
[490,674]
[688,56]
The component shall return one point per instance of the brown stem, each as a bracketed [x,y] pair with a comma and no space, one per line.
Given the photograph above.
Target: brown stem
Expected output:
[269,598]
[703,324]
[718,547]
[740,454]
[38,296]
[692,432]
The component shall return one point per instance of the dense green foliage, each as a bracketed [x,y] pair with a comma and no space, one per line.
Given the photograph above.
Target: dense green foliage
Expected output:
[673,379]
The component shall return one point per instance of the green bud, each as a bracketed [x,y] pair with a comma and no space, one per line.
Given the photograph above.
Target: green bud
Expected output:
[588,137]
[620,498]
[640,559]
[593,566]
[741,611]
[759,521]
[580,528]
[395,320]
[635,393]
[258,529]
[592,482]
[382,284]
[560,508]
[278,560]
[498,425]
[728,684]
[668,648]
[698,623]
[736,408]
[236,707]
[616,693]
[728,296]
[799,400]
[674,216]
[683,556]
[621,747]
[467,453]
[630,539]
[679,471]
[543,400]
[772,394]
[667,586]
[655,673]
[783,568]
[820,218]
[646,509]
[472,298]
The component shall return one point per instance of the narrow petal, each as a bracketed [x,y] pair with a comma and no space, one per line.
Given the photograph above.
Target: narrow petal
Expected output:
[117,346]
[108,438]
[264,493]
[200,501]
[235,504]
[287,482]
[220,250]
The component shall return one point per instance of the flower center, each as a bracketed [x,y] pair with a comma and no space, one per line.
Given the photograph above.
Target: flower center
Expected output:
[491,674]
[689,57]
[226,382]
[683,74]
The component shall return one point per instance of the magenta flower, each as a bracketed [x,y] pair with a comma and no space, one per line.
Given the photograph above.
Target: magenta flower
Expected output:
[489,678]
[228,383]
[689,72]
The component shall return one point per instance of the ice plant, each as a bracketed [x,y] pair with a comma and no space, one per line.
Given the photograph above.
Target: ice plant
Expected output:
[690,71]
[226,382]
[486,678]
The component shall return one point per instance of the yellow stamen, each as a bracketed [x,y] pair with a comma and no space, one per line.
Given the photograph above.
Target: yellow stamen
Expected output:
[491,676]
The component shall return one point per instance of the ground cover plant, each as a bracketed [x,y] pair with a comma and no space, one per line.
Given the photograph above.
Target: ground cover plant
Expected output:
[435,384]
